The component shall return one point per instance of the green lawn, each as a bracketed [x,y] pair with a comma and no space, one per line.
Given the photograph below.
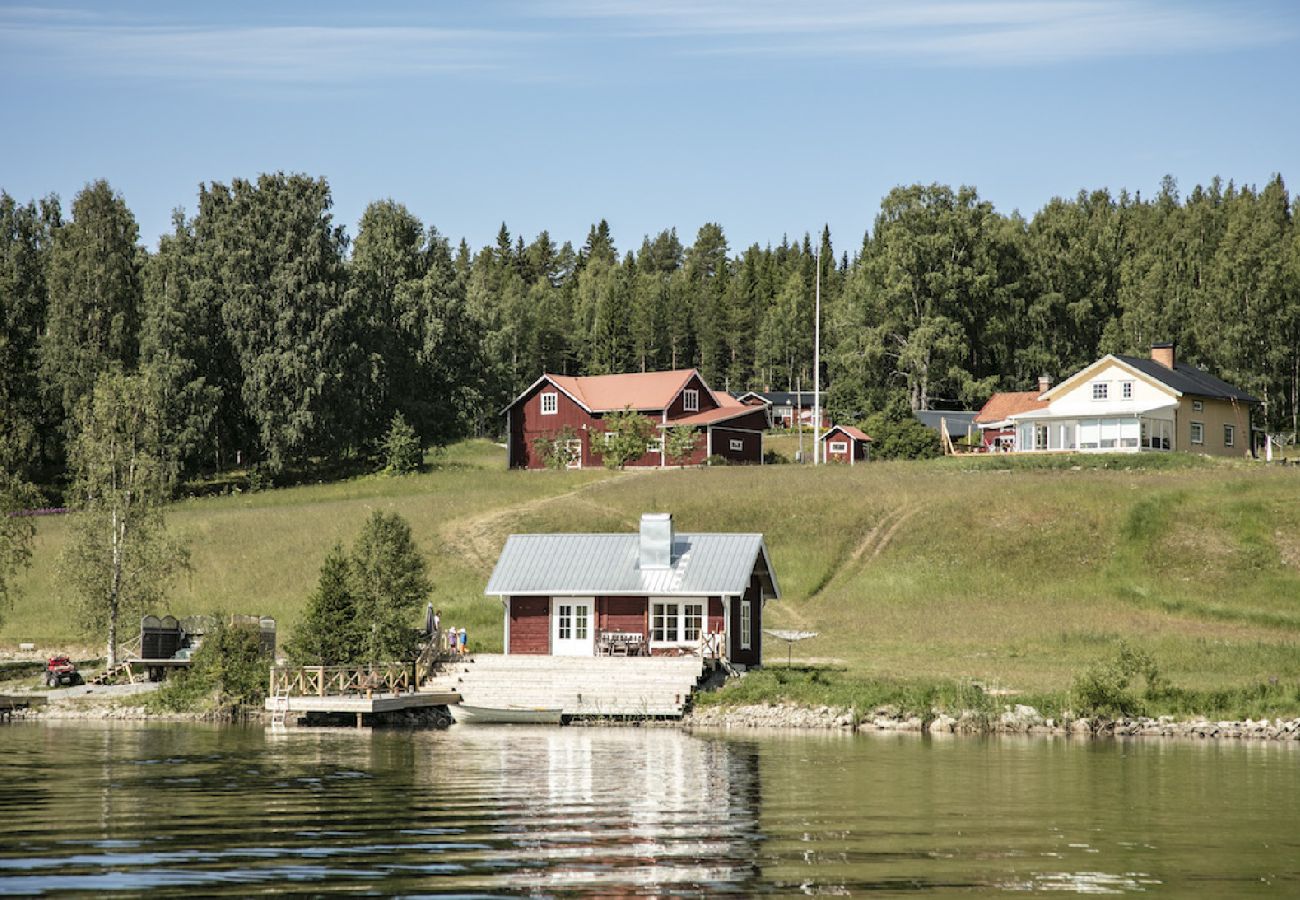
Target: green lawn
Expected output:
[1011,574]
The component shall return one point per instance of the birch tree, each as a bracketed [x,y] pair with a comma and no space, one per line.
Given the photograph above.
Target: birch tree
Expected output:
[119,558]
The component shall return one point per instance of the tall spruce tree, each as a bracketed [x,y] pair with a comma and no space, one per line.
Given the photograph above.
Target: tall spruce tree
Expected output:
[277,257]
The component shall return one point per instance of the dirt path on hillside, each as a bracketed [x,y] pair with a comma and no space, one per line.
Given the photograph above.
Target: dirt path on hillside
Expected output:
[875,543]
[478,538]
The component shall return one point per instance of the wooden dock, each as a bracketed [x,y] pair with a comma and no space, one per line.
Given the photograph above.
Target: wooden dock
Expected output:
[363,705]
[358,690]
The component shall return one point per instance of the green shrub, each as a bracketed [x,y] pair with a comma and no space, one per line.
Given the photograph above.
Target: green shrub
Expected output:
[229,671]
[895,434]
[1103,689]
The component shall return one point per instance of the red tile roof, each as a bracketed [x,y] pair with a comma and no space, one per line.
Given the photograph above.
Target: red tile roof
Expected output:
[721,414]
[639,390]
[1008,403]
[856,433]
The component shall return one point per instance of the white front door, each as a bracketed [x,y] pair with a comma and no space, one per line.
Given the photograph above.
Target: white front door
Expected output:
[573,626]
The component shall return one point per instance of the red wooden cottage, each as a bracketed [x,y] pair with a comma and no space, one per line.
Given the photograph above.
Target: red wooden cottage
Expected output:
[657,593]
[556,406]
[846,444]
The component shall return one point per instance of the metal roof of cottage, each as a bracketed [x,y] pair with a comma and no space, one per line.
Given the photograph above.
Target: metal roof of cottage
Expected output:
[702,565]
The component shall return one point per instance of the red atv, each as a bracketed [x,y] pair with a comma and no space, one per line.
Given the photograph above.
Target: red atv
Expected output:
[59,670]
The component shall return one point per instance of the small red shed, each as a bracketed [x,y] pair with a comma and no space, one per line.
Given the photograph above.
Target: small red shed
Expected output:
[846,444]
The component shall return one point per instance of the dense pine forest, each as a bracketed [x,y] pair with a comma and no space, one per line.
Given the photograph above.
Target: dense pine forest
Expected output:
[272,338]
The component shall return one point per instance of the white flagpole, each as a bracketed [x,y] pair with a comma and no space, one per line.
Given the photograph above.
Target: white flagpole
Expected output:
[817,364]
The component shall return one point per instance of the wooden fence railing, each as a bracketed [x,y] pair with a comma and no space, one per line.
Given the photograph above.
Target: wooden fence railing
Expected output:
[331,681]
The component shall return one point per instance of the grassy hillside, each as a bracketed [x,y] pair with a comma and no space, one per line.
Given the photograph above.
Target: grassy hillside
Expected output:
[1011,574]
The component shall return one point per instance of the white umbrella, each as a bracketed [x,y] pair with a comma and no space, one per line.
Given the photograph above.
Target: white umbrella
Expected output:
[789,637]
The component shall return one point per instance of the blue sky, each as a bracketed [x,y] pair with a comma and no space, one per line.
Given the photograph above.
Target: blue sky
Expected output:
[768,117]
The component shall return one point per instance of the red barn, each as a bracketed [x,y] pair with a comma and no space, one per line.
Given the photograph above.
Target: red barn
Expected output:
[657,593]
[556,406]
[846,444]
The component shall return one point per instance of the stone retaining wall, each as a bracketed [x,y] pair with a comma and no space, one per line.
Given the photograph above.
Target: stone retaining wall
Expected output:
[1017,720]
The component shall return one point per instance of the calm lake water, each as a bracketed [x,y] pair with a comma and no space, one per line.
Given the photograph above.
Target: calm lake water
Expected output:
[181,809]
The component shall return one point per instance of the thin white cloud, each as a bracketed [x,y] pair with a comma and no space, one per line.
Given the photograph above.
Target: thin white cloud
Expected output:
[1010,32]
[260,53]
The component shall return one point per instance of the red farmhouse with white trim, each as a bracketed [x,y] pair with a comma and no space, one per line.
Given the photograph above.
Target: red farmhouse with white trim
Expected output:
[553,403]
[846,444]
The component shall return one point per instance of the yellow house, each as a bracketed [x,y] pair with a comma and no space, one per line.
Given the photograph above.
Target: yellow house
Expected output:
[1131,404]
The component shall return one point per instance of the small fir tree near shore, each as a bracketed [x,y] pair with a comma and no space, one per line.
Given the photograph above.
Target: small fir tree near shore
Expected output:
[327,635]
[365,606]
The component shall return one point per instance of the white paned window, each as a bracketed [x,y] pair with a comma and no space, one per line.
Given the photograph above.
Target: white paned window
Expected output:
[1126,390]
[692,621]
[676,623]
[664,622]
[1229,435]
[656,446]
[1198,432]
[1198,406]
[736,444]
[564,622]
[746,624]
[1100,390]
[550,403]
[691,400]
[839,447]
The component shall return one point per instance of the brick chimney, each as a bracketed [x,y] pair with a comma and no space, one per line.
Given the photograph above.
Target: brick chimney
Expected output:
[1044,383]
[1163,354]
[656,540]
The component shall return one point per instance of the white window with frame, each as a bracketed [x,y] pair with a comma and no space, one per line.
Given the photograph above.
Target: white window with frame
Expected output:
[1126,390]
[746,624]
[550,403]
[1040,437]
[1100,390]
[676,623]
[655,446]
[691,400]
[839,447]
[736,444]
[1229,435]
[1198,432]
[1198,406]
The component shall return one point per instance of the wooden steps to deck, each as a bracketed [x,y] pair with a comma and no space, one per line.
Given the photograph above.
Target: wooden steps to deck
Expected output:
[594,687]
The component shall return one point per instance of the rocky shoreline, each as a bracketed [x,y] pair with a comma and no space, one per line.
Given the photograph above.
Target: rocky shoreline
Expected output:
[1016,720]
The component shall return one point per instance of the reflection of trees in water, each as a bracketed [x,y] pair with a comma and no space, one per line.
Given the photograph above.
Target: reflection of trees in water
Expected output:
[618,806]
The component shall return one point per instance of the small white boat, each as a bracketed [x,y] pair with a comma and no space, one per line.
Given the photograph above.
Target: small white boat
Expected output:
[506,715]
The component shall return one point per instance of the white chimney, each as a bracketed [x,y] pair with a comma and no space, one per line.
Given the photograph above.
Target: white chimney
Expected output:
[656,540]
[1044,383]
